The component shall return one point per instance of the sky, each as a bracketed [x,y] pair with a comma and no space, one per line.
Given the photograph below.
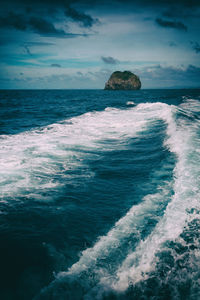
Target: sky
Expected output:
[65,44]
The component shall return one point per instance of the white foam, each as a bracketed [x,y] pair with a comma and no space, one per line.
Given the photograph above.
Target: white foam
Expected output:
[190,105]
[130,103]
[183,141]
[131,224]
[31,162]
[134,220]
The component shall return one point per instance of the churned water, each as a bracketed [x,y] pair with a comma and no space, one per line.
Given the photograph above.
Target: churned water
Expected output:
[100,194]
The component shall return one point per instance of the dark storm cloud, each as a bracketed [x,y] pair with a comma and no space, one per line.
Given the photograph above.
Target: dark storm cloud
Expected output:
[39,11]
[76,8]
[195,46]
[44,27]
[171,24]
[55,65]
[82,18]
[14,20]
[109,60]
[164,3]
[152,2]
[180,12]
[35,24]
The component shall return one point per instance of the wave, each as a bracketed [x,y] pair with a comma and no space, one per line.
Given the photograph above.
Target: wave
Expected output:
[37,162]
[121,258]
[33,162]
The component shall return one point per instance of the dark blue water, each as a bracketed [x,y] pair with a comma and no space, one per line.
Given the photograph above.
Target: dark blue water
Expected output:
[99,194]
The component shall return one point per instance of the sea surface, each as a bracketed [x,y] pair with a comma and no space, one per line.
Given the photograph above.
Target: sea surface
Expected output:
[99,195]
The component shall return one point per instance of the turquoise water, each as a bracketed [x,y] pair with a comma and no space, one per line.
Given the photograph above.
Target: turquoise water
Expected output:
[99,194]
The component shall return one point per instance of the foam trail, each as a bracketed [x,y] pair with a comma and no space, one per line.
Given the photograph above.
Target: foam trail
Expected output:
[136,214]
[123,229]
[183,141]
[94,259]
[33,162]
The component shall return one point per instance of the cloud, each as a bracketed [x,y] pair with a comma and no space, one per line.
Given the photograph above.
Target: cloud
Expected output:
[196,46]
[38,10]
[171,24]
[160,76]
[177,11]
[56,65]
[172,44]
[44,27]
[109,60]
[14,20]
[40,44]
[155,76]
[35,24]
[82,18]
[27,50]
[187,3]
[74,80]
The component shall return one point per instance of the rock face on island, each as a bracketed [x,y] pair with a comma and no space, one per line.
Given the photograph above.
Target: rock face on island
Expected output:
[123,81]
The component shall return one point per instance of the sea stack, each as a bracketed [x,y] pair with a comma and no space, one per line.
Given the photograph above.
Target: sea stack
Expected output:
[123,81]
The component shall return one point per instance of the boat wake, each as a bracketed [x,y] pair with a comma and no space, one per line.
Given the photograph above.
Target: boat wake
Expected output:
[123,261]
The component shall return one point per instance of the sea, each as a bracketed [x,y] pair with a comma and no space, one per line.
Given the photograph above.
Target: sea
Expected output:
[100,195]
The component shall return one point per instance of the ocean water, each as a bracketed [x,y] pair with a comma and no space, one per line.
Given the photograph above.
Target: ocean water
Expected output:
[100,195]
